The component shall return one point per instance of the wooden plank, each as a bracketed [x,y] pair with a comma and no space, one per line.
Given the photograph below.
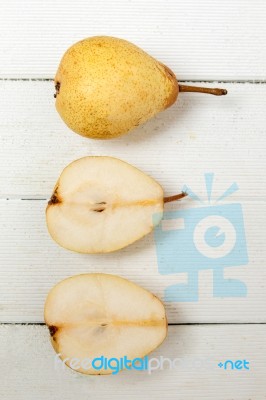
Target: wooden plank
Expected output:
[198,40]
[199,134]
[29,371]
[226,136]
[31,263]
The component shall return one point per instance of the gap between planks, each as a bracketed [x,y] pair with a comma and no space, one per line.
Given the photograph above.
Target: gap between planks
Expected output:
[169,324]
[233,81]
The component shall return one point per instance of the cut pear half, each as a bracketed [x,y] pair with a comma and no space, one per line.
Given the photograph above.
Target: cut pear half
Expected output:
[102,204]
[91,316]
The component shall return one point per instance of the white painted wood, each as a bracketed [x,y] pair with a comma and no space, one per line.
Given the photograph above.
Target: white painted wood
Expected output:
[207,40]
[31,263]
[28,370]
[199,134]
[197,39]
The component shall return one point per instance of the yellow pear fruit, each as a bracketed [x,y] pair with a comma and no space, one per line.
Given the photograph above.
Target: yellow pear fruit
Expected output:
[107,86]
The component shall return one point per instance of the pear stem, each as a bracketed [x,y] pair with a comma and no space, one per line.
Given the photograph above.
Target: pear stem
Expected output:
[175,197]
[215,92]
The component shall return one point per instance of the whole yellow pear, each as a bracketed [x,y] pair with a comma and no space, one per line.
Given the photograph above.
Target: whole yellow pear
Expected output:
[107,86]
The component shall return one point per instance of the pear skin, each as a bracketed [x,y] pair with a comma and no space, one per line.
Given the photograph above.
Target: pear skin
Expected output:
[106,86]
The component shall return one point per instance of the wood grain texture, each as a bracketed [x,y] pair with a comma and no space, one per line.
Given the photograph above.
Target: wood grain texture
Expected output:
[31,264]
[29,367]
[222,40]
[199,134]
[207,40]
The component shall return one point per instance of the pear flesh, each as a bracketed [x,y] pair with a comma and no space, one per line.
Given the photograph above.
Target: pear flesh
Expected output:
[107,86]
[102,204]
[95,315]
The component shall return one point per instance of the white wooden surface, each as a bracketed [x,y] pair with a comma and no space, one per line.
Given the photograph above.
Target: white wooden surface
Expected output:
[200,41]
[200,133]
[210,40]
[29,372]
[32,263]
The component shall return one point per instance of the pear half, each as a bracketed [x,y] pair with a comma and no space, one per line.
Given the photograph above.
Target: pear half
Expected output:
[107,86]
[95,315]
[102,204]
